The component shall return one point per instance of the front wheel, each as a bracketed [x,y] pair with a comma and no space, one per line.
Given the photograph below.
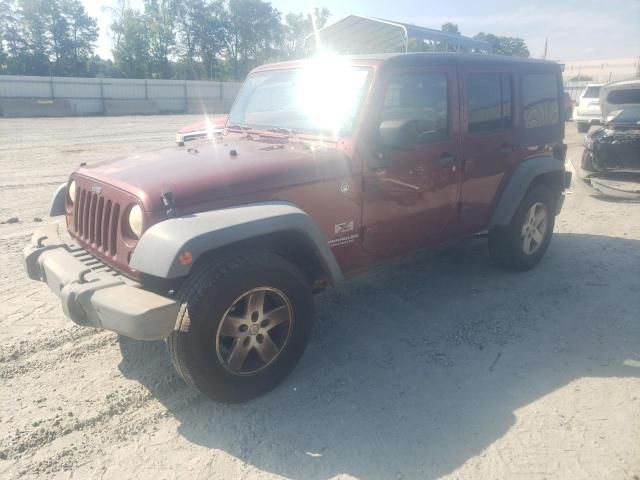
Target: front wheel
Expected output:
[582,127]
[521,244]
[243,324]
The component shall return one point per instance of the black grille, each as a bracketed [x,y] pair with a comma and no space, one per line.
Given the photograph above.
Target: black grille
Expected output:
[96,221]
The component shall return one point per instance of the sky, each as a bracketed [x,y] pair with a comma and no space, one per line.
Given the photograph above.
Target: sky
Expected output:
[576,29]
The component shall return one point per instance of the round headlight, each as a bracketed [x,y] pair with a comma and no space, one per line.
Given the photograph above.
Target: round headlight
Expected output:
[135,220]
[72,191]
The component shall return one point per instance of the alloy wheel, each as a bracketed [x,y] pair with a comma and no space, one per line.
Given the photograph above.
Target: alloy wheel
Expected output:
[254,331]
[534,228]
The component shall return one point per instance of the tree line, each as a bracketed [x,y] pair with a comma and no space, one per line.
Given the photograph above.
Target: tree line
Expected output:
[186,39]
[181,39]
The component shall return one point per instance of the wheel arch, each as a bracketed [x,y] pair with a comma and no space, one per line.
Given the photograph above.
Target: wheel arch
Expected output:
[545,170]
[58,201]
[171,249]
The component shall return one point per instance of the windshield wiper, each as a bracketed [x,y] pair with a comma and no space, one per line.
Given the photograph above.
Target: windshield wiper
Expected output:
[243,128]
[288,131]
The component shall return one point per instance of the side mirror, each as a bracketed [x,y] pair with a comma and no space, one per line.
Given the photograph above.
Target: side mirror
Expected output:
[399,134]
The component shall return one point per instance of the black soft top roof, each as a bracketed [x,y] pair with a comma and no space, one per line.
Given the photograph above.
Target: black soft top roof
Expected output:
[410,59]
[428,58]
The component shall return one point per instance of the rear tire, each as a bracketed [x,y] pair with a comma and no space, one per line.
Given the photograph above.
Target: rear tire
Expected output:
[520,245]
[582,127]
[587,161]
[223,328]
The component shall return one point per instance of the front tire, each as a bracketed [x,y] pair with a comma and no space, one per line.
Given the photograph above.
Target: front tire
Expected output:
[582,127]
[244,323]
[521,245]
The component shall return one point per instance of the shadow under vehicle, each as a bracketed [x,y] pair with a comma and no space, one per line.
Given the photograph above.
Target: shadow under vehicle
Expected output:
[425,363]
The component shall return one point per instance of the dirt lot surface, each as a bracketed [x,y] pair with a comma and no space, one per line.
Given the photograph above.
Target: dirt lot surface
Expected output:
[438,366]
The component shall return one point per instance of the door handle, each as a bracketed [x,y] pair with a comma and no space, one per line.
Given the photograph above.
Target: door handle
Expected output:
[505,149]
[445,160]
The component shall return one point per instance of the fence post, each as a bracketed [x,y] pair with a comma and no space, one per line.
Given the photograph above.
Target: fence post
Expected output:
[186,98]
[53,95]
[146,90]
[104,107]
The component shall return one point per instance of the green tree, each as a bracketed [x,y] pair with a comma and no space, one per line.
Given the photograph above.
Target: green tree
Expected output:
[131,53]
[41,37]
[72,35]
[35,37]
[82,34]
[160,18]
[4,9]
[450,28]
[505,45]
[253,35]
[201,37]
[298,26]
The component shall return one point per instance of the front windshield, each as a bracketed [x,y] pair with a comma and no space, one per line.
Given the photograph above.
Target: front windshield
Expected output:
[322,97]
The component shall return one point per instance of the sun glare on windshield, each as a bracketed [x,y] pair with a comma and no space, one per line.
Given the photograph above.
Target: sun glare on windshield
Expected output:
[322,96]
[327,91]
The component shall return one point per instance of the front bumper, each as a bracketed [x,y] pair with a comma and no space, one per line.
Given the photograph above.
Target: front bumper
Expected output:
[93,294]
[593,119]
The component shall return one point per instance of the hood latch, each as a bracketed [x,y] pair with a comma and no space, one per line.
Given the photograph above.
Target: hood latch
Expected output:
[169,203]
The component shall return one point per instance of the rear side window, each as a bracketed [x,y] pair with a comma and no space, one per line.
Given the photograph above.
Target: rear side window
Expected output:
[540,100]
[591,92]
[488,102]
[621,97]
[422,97]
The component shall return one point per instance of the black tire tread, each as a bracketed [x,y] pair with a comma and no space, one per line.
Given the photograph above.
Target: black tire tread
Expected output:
[504,245]
[206,275]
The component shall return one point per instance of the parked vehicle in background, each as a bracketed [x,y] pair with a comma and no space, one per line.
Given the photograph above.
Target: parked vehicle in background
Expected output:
[208,127]
[568,106]
[326,167]
[611,158]
[588,111]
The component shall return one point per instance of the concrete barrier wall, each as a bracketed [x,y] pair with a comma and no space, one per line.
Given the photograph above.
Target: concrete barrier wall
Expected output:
[63,96]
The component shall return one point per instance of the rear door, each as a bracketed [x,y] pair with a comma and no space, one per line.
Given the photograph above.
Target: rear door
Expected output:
[489,141]
[410,203]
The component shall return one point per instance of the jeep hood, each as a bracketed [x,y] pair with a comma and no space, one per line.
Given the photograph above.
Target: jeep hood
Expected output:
[211,170]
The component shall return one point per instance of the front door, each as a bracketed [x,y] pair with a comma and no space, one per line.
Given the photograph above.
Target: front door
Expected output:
[410,202]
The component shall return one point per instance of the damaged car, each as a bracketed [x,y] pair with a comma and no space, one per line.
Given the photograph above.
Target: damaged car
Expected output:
[610,162]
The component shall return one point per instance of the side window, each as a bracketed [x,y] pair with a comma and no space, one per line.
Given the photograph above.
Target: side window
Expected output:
[540,102]
[422,97]
[488,102]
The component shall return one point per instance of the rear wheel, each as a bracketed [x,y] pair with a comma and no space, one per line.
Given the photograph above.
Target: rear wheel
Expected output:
[582,127]
[522,244]
[244,323]
[587,160]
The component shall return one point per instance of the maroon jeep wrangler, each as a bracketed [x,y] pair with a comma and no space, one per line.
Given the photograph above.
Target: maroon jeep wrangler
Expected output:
[326,167]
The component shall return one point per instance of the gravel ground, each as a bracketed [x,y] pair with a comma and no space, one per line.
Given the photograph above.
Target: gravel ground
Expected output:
[438,366]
